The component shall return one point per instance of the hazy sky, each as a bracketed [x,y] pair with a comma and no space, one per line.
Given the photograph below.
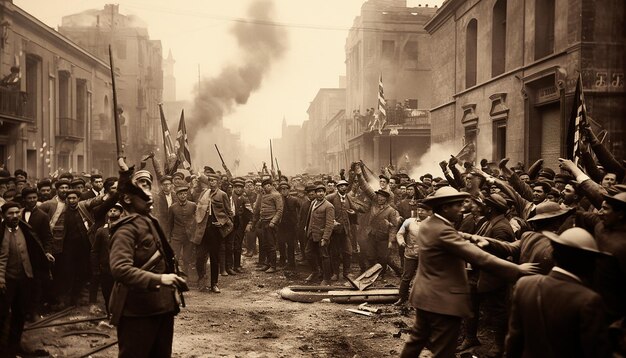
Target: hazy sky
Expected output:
[198,33]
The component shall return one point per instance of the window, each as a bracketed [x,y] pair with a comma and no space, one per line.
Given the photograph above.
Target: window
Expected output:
[64,95]
[471,51]
[499,140]
[410,51]
[471,134]
[544,28]
[389,48]
[33,91]
[120,48]
[81,100]
[498,38]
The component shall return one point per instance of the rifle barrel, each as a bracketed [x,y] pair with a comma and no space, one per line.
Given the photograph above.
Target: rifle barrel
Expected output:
[116,115]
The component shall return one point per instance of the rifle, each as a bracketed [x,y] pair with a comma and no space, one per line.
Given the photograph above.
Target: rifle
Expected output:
[228,173]
[116,115]
[278,169]
[271,156]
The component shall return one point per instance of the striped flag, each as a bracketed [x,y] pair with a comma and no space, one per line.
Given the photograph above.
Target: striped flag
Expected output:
[182,144]
[577,121]
[382,104]
[167,138]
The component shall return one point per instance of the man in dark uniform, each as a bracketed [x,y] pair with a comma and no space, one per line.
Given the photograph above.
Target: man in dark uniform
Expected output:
[286,233]
[142,262]
[341,239]
[243,214]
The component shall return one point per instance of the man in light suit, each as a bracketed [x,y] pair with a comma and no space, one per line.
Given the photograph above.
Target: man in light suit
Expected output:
[441,293]
[557,315]
[214,222]
[319,227]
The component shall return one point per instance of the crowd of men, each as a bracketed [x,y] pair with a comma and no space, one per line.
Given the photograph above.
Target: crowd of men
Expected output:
[462,239]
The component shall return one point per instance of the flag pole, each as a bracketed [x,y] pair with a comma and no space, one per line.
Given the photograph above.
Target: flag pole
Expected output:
[271,156]
[116,115]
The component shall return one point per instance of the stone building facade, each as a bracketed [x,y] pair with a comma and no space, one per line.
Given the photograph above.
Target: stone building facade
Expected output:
[389,39]
[47,114]
[507,70]
[139,62]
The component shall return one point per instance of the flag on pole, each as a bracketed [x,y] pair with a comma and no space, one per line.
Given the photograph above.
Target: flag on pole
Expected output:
[577,121]
[382,105]
[182,144]
[167,138]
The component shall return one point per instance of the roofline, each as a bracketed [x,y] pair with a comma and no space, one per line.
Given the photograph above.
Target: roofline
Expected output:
[446,10]
[49,30]
[328,89]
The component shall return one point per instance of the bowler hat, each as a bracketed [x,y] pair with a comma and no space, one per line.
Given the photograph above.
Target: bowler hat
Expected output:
[576,238]
[548,210]
[445,195]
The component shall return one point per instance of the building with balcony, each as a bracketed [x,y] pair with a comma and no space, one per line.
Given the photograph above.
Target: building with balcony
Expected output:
[388,39]
[138,59]
[49,95]
[507,72]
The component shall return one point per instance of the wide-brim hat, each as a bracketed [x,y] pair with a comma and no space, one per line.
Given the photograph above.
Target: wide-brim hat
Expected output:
[617,201]
[445,195]
[441,183]
[549,210]
[576,238]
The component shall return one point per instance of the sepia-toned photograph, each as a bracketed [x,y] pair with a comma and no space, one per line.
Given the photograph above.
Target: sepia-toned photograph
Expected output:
[313,178]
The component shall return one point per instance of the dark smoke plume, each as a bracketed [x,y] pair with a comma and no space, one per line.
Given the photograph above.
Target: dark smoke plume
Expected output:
[260,46]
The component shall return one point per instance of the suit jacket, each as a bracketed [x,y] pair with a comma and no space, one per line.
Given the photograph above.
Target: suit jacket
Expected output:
[556,316]
[441,283]
[220,207]
[341,215]
[88,195]
[499,229]
[303,216]
[243,211]
[377,225]
[38,260]
[322,218]
[40,223]
[532,247]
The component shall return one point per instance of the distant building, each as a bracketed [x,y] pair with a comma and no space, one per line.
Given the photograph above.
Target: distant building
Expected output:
[169,80]
[47,113]
[139,62]
[289,150]
[389,39]
[325,106]
[507,70]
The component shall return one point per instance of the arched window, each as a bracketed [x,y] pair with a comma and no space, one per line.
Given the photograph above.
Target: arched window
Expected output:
[471,44]
[498,38]
[544,28]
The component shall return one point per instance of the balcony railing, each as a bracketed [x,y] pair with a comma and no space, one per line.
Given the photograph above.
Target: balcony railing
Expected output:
[71,128]
[13,103]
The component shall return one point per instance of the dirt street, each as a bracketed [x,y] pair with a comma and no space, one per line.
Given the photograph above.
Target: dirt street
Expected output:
[249,319]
